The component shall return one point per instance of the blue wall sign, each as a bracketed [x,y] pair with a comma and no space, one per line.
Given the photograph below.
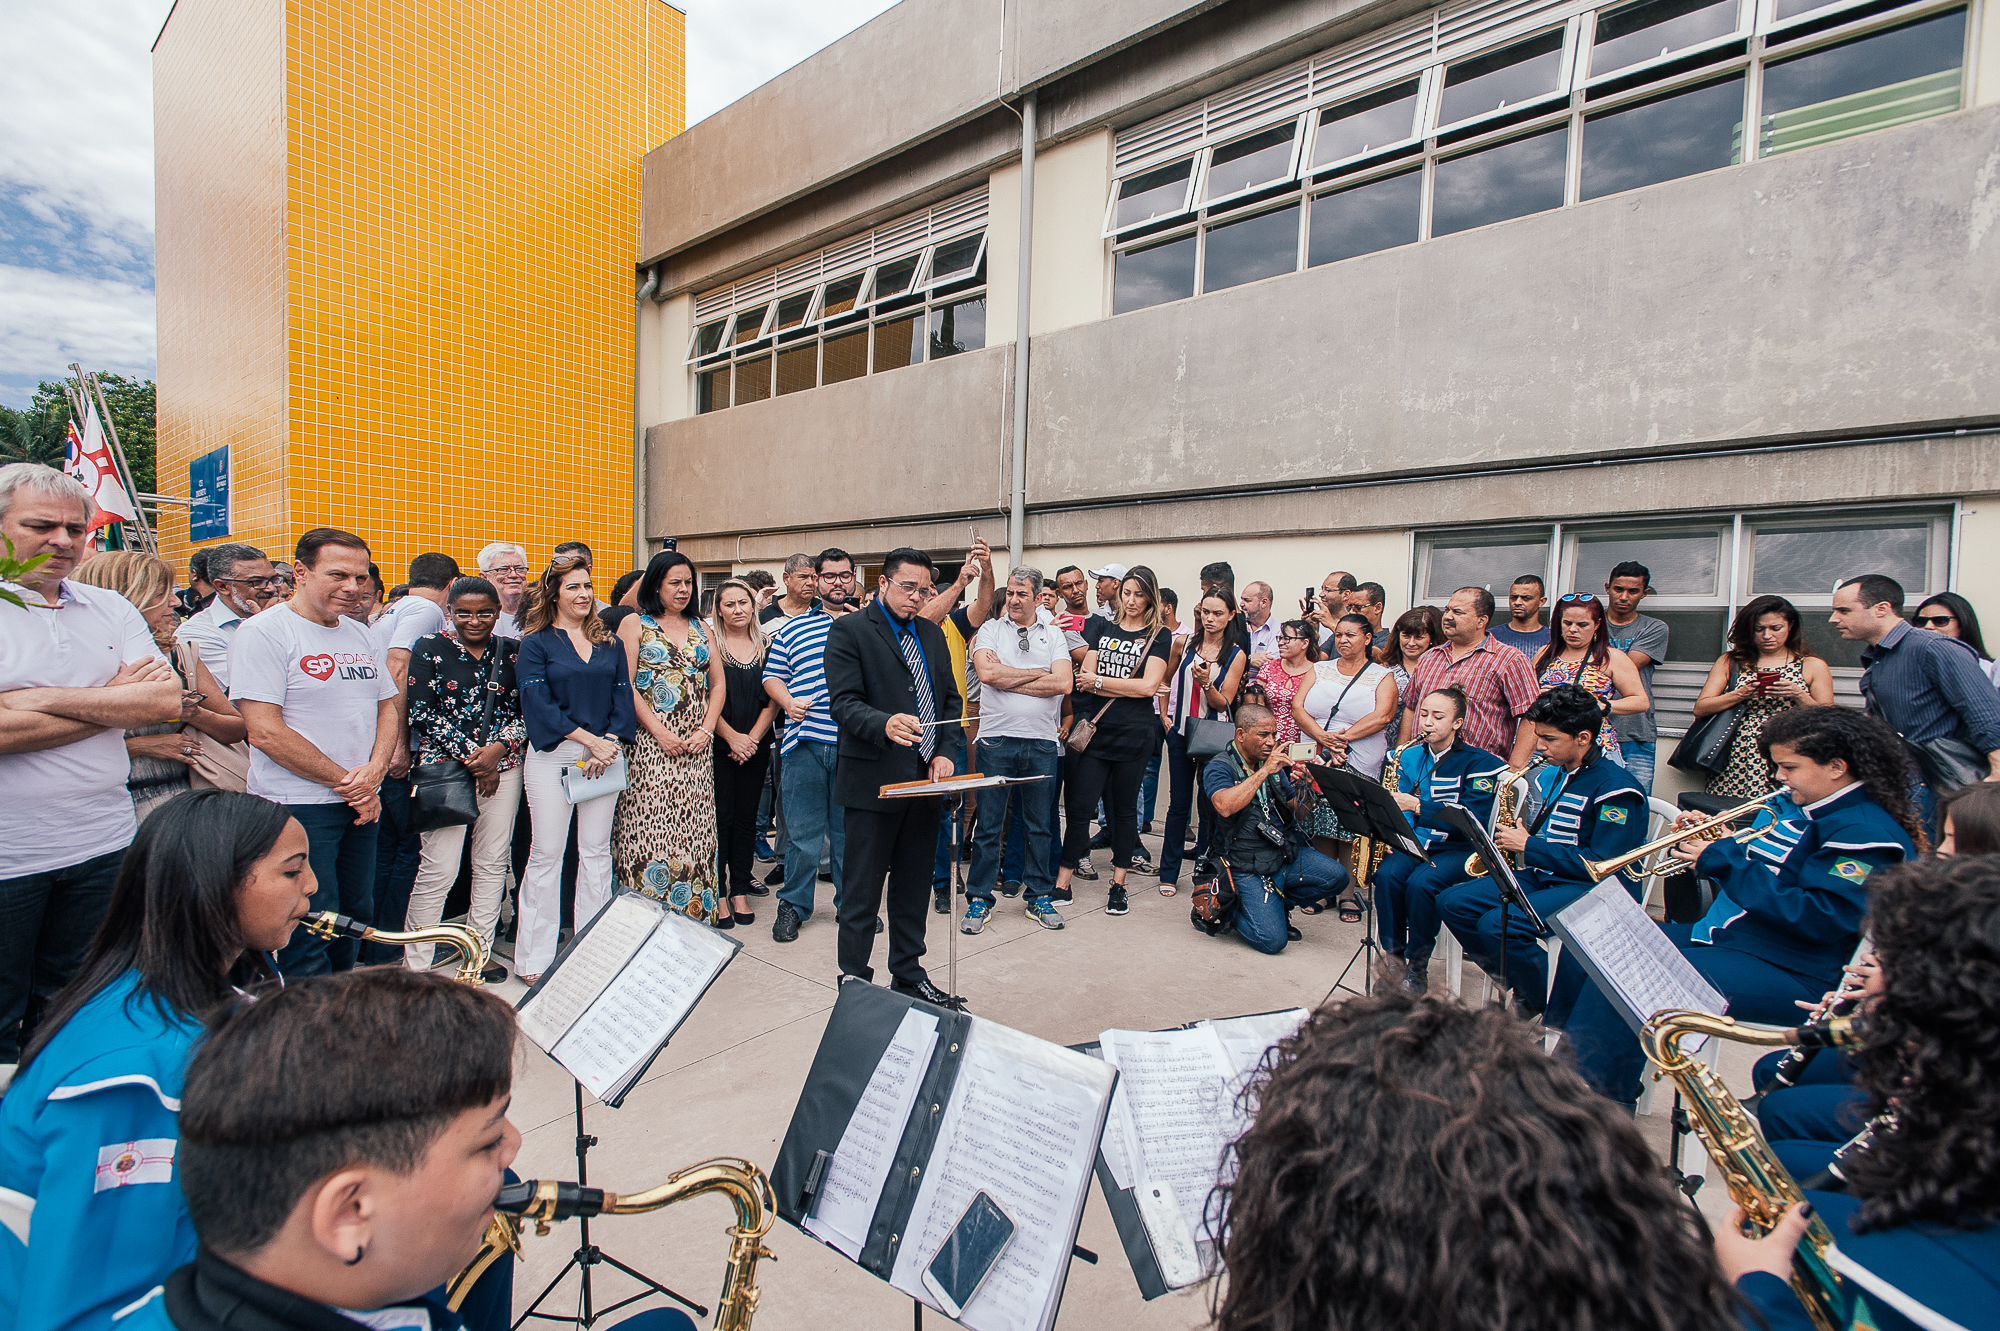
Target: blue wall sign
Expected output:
[208,488]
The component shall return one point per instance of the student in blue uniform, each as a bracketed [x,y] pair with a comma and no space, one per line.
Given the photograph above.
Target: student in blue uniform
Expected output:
[342,1143]
[88,1135]
[1588,808]
[1919,1227]
[1801,891]
[1442,769]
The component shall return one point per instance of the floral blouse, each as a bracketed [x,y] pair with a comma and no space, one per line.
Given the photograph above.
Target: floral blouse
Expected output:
[446,700]
[672,678]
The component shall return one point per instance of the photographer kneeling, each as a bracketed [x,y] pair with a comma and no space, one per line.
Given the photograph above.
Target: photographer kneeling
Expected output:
[1260,858]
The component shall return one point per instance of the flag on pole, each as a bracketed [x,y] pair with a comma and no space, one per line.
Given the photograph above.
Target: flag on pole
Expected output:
[89,461]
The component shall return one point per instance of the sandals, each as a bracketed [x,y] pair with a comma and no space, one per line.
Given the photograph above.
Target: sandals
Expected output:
[1168,889]
[1350,912]
[1319,909]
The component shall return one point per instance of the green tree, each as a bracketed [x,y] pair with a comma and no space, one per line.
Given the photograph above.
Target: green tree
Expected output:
[38,432]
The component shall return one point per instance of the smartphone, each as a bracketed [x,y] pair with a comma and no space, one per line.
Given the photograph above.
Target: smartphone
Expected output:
[1301,751]
[955,1274]
[1765,679]
[1312,595]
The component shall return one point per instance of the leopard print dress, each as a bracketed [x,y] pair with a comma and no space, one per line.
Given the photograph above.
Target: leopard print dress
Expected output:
[664,837]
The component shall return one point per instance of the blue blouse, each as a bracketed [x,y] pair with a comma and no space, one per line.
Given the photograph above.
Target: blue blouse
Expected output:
[561,692]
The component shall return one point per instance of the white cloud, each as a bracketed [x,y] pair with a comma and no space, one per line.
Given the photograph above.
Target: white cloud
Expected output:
[49,319]
[735,45]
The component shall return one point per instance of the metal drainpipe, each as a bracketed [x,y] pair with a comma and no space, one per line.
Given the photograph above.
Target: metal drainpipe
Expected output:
[639,552]
[1017,518]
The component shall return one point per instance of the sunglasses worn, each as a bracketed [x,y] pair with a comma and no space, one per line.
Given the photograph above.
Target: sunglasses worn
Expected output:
[1934,621]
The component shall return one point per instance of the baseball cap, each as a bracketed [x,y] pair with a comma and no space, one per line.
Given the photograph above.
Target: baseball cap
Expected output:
[1109,571]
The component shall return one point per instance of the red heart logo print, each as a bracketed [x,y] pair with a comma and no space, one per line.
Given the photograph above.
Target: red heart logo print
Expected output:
[319,666]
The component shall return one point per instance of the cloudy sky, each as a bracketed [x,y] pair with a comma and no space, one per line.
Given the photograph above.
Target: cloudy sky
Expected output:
[76,161]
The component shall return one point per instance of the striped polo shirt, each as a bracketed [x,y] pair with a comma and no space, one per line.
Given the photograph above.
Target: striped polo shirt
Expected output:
[797,660]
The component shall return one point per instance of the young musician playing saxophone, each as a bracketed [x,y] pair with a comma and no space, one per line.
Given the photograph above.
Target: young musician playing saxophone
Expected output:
[89,1137]
[342,1143]
[1442,768]
[1801,889]
[1919,1227]
[1590,809]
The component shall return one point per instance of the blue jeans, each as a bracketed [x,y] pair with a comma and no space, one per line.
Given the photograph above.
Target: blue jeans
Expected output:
[811,817]
[342,856]
[47,920]
[1014,757]
[1149,789]
[1406,899]
[1638,756]
[397,851]
[1011,863]
[1261,902]
[1608,1053]
[1184,797]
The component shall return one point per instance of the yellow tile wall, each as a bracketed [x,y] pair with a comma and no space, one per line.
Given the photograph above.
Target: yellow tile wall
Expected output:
[460,219]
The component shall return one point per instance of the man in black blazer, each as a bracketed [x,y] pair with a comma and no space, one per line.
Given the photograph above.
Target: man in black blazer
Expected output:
[888,671]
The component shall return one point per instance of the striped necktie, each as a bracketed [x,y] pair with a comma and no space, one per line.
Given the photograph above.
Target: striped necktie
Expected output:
[920,675]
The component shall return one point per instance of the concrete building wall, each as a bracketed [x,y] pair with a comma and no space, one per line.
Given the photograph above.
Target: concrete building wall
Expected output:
[1849,287]
[1072,180]
[220,201]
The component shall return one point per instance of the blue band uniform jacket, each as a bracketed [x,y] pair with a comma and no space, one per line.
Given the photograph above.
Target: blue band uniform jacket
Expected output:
[1463,775]
[1597,812]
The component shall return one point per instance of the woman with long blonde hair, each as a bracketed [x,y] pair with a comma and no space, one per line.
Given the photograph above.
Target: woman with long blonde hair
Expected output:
[164,754]
[576,698]
[743,742]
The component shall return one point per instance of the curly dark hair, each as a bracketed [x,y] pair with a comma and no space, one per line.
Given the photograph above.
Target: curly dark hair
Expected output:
[1931,1042]
[1414,1162]
[1874,755]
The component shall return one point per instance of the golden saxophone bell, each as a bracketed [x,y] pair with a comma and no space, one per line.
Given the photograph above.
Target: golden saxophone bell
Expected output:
[473,953]
[1708,829]
[548,1201]
[1505,814]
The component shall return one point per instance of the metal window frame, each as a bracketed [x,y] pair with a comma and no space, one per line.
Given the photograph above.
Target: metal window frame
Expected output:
[1720,526]
[1937,547]
[1311,170]
[1193,226]
[1739,67]
[1588,76]
[1361,180]
[1300,128]
[1113,231]
[1423,542]
[870,297]
[811,293]
[1208,224]
[1565,69]
[928,281]
[721,344]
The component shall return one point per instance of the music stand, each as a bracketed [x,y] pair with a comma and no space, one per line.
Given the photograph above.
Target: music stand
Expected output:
[1366,809]
[953,788]
[1501,869]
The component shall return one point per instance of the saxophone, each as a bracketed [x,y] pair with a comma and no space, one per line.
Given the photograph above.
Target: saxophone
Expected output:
[1368,852]
[1504,813]
[1757,1182]
[473,955]
[545,1201]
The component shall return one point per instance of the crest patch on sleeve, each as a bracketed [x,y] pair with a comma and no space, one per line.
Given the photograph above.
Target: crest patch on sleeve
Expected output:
[123,1164]
[1854,871]
[1611,813]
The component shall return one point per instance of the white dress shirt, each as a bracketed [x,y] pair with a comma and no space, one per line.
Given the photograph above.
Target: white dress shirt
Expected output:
[211,630]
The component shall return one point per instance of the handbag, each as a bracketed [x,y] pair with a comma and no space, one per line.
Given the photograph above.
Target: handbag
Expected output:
[1084,731]
[1215,902]
[216,766]
[579,789]
[1208,736]
[1705,746]
[1948,763]
[444,794]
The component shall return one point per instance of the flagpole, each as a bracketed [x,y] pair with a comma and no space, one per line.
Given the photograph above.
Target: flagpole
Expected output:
[87,382]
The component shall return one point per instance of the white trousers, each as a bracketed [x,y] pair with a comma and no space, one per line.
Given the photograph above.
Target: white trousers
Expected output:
[437,870]
[541,893]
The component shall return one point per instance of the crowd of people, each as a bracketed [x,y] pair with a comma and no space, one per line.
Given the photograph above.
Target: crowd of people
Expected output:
[195,771]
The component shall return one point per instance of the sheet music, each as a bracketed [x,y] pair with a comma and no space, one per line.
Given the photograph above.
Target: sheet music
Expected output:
[1117,1140]
[1636,956]
[589,967]
[860,1166]
[1179,1093]
[1247,1039]
[645,1004]
[1025,1130]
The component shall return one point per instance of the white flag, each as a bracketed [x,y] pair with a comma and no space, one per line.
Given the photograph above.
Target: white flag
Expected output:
[89,461]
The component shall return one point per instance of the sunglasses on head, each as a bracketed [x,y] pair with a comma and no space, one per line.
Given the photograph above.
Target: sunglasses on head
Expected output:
[1577,596]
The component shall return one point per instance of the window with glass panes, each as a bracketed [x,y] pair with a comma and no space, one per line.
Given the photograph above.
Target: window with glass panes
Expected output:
[1613,99]
[901,302]
[1702,569]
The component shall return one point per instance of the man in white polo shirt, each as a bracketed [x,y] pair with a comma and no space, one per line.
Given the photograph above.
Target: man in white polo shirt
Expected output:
[1024,672]
[77,668]
[244,584]
[322,714]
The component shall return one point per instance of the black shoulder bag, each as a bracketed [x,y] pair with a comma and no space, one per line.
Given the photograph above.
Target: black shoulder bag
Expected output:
[443,794]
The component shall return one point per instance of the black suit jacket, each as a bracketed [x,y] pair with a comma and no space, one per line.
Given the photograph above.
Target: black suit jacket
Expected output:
[867,682]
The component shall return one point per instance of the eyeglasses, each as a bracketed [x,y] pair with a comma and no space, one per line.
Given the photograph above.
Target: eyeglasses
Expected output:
[475,614]
[835,577]
[913,588]
[509,570]
[1934,621]
[1577,596]
[262,583]
[1290,637]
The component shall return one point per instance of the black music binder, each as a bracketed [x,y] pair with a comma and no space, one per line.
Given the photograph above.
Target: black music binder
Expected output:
[923,1148]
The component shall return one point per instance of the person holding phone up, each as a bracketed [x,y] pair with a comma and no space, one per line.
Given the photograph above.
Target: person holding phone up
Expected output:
[1766,671]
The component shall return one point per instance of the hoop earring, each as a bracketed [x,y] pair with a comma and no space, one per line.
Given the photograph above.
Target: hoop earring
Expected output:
[359,1253]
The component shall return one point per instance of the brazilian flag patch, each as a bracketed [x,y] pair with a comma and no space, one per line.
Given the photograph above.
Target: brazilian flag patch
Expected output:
[1611,813]
[1482,783]
[1854,871]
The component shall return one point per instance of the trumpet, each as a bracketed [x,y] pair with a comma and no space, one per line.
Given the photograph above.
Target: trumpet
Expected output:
[1504,812]
[1708,829]
[546,1201]
[473,955]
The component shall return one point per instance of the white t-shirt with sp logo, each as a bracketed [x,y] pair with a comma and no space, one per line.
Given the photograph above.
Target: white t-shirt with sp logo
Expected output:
[329,682]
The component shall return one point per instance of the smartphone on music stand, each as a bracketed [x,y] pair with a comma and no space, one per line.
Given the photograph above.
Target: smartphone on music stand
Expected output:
[967,1257]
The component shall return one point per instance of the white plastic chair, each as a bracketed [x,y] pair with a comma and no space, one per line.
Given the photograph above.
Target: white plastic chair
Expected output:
[1662,815]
